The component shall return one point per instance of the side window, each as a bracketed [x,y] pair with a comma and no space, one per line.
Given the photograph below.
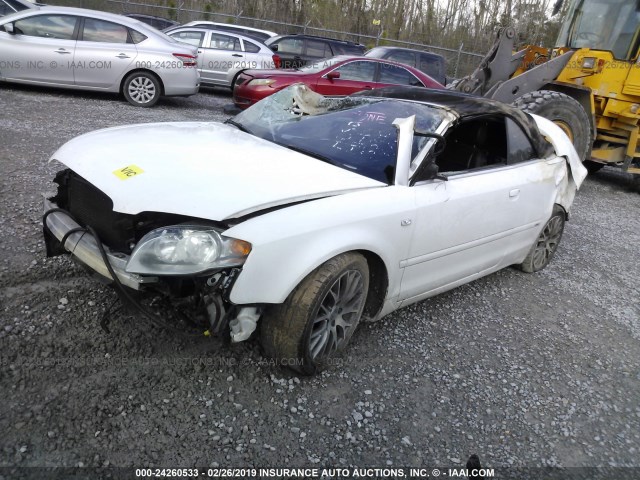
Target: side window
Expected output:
[358,71]
[136,36]
[318,49]
[397,76]
[408,58]
[250,47]
[290,45]
[192,38]
[105,32]
[474,145]
[224,42]
[48,26]
[520,149]
[431,65]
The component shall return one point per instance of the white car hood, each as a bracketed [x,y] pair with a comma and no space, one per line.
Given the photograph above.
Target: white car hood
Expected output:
[200,169]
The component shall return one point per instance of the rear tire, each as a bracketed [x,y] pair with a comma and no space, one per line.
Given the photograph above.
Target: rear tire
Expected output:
[565,112]
[142,89]
[545,246]
[319,317]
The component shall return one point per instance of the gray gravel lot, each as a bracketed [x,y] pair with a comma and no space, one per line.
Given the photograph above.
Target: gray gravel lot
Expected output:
[525,370]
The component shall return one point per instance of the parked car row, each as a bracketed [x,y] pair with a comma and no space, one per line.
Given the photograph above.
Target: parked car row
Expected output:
[92,50]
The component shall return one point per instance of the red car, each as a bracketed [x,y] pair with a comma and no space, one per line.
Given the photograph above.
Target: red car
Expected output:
[337,76]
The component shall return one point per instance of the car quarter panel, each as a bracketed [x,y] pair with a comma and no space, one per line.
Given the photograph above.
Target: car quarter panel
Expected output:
[290,243]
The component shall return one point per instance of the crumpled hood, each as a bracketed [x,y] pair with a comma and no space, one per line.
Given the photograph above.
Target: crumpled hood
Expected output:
[201,169]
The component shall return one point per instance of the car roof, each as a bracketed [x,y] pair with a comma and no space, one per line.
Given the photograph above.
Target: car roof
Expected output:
[230,25]
[465,106]
[155,17]
[245,37]
[114,17]
[304,35]
[387,48]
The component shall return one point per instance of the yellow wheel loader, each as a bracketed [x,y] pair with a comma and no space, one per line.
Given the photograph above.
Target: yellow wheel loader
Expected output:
[588,84]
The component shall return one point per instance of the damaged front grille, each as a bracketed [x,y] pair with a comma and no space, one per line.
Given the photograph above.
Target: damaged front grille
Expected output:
[90,206]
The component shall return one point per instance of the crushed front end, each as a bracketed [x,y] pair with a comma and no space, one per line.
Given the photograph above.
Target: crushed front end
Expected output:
[183,259]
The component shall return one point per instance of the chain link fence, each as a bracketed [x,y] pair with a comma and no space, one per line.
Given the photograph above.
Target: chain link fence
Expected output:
[459,62]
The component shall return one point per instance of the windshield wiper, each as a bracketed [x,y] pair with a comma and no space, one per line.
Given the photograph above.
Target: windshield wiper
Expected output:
[315,155]
[242,128]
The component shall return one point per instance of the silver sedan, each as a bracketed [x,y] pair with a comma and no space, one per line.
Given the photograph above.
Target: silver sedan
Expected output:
[223,55]
[91,50]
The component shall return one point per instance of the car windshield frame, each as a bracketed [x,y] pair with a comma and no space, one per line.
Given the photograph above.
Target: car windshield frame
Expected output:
[357,134]
[602,25]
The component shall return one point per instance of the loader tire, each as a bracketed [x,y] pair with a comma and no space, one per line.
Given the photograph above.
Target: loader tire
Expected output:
[565,112]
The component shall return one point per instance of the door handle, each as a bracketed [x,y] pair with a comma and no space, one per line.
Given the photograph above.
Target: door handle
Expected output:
[514,193]
[368,87]
[122,55]
[236,55]
[62,51]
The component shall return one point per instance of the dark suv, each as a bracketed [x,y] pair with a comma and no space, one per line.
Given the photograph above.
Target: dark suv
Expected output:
[430,63]
[299,50]
[158,23]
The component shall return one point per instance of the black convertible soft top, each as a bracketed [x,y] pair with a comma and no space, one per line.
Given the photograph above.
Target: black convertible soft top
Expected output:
[466,106]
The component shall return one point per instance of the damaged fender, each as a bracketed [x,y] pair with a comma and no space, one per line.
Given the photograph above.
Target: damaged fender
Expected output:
[311,233]
[575,174]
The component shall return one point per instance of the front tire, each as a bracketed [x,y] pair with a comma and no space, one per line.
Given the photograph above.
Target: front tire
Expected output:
[545,246]
[319,317]
[142,89]
[568,114]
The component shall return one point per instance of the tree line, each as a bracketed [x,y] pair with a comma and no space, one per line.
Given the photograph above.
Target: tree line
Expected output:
[444,23]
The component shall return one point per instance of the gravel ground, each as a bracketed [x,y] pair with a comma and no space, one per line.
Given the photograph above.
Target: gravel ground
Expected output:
[525,370]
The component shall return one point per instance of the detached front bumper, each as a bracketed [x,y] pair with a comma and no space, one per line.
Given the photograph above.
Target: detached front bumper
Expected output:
[84,247]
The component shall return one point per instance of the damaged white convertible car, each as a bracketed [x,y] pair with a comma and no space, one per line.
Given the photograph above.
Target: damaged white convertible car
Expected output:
[305,215]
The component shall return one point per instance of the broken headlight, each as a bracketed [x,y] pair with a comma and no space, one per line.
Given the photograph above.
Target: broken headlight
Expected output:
[186,250]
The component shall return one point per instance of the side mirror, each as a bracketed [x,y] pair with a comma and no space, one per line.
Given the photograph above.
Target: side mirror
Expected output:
[8,27]
[333,74]
[274,47]
[431,171]
[428,169]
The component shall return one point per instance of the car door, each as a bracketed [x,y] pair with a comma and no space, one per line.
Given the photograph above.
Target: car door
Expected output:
[41,49]
[196,38]
[219,53]
[354,77]
[103,54]
[486,214]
